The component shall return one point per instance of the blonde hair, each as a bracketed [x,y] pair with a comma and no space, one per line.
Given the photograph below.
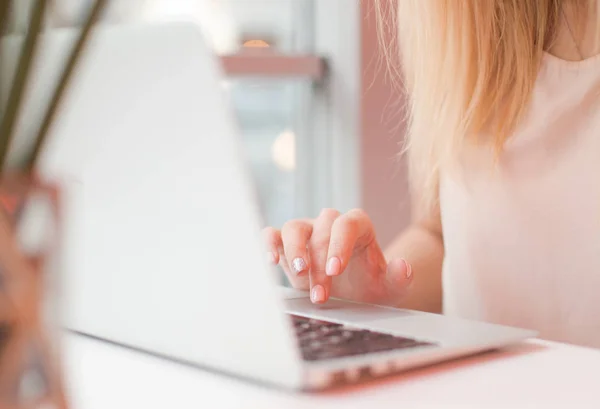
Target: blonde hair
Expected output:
[468,68]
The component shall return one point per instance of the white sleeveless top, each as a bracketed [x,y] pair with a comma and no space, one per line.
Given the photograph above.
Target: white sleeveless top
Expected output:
[522,239]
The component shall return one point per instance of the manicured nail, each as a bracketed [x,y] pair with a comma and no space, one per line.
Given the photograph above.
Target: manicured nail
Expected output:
[271,258]
[408,269]
[317,295]
[299,265]
[333,267]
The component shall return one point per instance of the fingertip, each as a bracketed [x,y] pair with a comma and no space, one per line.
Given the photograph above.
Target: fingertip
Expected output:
[299,266]
[333,267]
[400,269]
[318,294]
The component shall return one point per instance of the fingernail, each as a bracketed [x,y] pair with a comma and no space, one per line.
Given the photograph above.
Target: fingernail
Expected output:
[317,295]
[271,257]
[408,269]
[299,265]
[333,266]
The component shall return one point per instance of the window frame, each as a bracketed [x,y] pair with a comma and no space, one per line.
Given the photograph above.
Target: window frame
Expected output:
[328,148]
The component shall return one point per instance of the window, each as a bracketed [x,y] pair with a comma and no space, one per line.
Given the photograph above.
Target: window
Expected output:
[292,71]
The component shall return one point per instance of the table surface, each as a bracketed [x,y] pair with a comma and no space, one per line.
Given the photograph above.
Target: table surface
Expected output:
[534,374]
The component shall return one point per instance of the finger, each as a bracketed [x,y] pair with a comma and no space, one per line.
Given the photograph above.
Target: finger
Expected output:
[350,231]
[320,283]
[295,235]
[272,239]
[399,276]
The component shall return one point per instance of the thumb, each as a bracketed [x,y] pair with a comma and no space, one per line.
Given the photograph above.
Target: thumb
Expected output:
[399,275]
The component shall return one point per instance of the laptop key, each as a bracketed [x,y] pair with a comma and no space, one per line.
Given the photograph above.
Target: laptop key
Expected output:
[321,340]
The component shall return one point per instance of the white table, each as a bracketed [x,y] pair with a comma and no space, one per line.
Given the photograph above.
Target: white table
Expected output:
[531,375]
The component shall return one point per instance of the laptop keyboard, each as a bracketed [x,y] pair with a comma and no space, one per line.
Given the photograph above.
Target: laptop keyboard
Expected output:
[320,340]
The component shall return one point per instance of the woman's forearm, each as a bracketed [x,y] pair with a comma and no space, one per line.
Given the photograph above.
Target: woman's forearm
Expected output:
[423,248]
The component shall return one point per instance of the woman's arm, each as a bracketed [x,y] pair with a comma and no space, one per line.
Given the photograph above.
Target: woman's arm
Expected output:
[422,246]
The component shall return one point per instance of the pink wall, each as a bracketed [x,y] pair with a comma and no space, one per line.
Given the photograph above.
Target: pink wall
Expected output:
[385,189]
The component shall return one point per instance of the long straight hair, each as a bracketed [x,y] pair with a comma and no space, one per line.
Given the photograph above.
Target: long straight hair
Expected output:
[468,68]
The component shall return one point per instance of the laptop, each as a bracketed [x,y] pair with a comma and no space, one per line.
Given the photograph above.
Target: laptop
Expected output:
[162,248]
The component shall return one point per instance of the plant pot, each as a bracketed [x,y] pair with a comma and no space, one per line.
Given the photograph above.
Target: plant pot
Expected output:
[30,369]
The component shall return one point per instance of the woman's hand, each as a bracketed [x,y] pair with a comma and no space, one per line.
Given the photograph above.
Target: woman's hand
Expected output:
[338,255]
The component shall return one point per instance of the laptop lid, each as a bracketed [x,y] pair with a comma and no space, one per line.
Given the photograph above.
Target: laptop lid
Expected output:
[162,245]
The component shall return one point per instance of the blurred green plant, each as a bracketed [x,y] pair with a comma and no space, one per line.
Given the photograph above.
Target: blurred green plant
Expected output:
[22,75]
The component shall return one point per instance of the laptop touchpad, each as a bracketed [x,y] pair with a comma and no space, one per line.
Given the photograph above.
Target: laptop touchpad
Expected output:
[338,310]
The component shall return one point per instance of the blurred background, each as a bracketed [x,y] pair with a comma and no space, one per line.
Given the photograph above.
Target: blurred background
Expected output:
[320,119]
